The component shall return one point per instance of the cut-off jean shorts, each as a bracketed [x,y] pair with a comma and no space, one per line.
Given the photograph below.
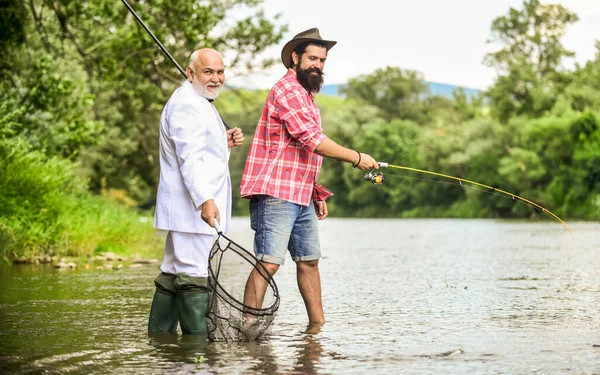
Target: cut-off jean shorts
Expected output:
[280,225]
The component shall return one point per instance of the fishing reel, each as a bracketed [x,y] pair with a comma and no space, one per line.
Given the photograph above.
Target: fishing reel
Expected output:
[375,178]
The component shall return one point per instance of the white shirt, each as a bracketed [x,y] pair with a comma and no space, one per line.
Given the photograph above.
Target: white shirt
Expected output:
[194,167]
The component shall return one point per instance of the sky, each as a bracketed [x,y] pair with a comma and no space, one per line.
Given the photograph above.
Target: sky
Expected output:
[445,40]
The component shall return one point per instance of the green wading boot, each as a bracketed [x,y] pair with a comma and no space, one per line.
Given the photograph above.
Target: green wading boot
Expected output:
[163,313]
[192,304]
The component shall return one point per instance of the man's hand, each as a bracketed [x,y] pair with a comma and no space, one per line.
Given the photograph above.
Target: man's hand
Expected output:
[321,209]
[210,212]
[235,137]
[366,162]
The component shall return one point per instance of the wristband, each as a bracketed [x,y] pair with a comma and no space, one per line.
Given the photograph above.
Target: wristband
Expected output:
[358,162]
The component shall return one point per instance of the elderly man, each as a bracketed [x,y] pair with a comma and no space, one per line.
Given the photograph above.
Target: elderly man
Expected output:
[282,168]
[194,192]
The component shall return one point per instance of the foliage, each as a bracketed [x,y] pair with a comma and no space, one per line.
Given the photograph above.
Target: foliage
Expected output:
[12,23]
[106,62]
[531,35]
[529,58]
[395,92]
[47,210]
[50,111]
[82,87]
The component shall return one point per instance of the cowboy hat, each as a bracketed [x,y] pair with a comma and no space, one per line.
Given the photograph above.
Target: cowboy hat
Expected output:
[310,35]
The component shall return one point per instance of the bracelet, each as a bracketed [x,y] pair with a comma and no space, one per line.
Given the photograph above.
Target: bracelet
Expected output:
[358,162]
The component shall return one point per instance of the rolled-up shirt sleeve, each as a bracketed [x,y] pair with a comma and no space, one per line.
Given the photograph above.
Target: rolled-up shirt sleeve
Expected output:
[320,192]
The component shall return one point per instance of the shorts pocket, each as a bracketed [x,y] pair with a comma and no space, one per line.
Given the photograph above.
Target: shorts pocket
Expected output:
[271,201]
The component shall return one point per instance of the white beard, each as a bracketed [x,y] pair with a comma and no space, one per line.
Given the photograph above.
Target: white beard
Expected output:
[204,90]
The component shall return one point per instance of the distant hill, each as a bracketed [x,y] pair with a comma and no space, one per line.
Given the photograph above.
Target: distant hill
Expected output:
[435,88]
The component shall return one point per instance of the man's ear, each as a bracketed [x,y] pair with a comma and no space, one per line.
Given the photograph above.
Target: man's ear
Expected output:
[294,57]
[190,74]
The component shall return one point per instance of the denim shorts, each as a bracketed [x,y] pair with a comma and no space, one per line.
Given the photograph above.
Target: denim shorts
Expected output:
[280,225]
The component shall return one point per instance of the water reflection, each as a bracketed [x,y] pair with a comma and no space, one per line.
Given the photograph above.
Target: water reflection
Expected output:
[183,348]
[527,309]
[263,360]
[309,351]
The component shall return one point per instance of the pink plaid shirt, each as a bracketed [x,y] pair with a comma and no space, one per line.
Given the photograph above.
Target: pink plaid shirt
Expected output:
[282,162]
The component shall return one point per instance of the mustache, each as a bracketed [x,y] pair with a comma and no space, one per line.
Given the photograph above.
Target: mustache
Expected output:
[314,69]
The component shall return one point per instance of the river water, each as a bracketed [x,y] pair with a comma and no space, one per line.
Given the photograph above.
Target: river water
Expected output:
[400,296]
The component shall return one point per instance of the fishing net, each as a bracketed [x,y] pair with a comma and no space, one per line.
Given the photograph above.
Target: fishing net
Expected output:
[228,318]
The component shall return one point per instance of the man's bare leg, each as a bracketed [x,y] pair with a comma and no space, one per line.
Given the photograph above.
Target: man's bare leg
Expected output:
[309,283]
[256,285]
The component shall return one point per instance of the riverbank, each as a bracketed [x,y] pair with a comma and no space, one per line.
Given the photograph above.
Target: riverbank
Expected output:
[83,229]
[102,261]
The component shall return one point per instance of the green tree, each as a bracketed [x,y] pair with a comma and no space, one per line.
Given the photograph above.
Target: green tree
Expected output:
[584,198]
[396,92]
[52,111]
[12,23]
[583,90]
[346,121]
[529,58]
[531,35]
[396,142]
[99,47]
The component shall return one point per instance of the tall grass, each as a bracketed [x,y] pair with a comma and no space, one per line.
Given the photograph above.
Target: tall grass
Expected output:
[92,224]
[46,209]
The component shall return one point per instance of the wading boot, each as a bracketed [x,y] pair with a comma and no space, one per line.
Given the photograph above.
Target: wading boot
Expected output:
[163,313]
[192,303]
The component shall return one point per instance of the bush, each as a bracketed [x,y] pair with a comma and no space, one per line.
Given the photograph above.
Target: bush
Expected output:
[46,209]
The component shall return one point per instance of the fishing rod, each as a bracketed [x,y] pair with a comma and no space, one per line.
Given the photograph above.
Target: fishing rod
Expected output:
[376,178]
[164,49]
[181,70]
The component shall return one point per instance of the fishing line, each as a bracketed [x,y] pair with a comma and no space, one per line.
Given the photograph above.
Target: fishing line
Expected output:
[457,184]
[376,177]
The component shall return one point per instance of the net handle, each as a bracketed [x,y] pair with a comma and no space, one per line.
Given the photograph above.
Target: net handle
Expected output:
[217,228]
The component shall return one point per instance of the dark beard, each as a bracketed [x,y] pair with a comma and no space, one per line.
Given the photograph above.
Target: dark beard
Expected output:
[312,83]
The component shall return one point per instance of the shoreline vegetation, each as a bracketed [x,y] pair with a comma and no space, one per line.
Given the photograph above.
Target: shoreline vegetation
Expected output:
[47,213]
[79,124]
[100,262]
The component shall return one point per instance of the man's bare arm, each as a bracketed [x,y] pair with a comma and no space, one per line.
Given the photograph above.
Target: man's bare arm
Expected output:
[330,149]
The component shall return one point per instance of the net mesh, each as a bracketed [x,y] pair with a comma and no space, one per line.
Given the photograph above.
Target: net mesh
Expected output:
[228,318]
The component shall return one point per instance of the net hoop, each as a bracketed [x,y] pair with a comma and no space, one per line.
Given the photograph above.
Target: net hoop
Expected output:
[220,291]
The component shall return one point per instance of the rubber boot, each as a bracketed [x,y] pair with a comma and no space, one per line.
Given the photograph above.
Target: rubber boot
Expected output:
[163,313]
[192,304]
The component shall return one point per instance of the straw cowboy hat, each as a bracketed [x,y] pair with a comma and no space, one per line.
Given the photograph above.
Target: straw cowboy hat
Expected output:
[310,35]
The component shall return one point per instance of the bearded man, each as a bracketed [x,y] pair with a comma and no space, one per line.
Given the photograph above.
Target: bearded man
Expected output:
[194,192]
[281,172]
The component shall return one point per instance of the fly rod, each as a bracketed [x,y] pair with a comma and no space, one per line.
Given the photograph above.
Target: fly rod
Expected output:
[164,50]
[181,70]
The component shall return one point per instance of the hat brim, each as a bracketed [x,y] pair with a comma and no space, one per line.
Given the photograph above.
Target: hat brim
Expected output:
[286,52]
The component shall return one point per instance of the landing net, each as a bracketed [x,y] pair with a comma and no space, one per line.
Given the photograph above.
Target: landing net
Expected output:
[229,318]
